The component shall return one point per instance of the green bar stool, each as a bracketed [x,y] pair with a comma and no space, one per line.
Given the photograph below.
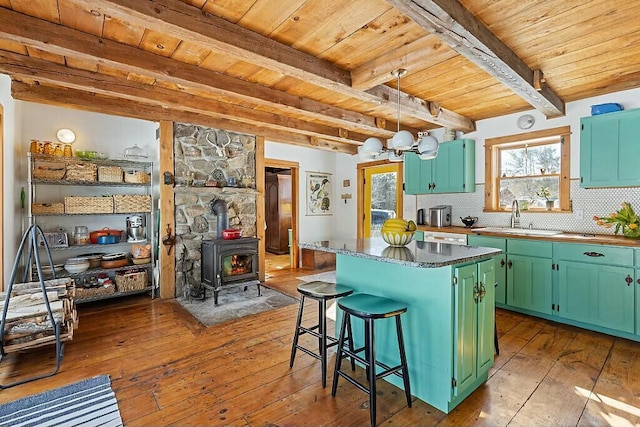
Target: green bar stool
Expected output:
[321,292]
[369,308]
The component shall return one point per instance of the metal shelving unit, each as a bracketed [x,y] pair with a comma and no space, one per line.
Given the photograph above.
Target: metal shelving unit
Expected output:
[71,250]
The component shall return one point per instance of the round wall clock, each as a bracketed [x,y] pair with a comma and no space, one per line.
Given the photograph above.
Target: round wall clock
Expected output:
[526,121]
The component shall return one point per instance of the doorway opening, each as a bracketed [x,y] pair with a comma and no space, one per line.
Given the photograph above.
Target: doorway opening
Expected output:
[281,219]
[380,184]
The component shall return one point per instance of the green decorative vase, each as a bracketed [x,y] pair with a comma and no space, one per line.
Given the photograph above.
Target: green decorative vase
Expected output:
[631,233]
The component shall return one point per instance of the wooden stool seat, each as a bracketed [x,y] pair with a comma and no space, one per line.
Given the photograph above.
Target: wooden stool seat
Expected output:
[369,308]
[321,292]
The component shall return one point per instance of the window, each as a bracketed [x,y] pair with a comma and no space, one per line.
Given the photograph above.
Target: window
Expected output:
[532,168]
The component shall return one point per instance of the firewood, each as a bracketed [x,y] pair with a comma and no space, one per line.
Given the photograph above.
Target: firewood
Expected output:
[33,310]
[29,299]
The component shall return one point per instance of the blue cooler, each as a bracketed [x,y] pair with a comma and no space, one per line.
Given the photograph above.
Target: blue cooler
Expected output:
[605,108]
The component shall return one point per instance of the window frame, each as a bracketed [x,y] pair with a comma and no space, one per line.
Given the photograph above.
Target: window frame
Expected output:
[492,165]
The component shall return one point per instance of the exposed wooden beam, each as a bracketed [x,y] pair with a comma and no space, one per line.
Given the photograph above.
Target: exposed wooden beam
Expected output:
[185,22]
[73,98]
[190,24]
[55,74]
[418,55]
[66,41]
[467,35]
[413,106]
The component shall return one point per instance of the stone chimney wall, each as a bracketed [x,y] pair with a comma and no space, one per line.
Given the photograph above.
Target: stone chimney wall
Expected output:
[213,159]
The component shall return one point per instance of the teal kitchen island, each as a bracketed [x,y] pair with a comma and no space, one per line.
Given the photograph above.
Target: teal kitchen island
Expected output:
[449,325]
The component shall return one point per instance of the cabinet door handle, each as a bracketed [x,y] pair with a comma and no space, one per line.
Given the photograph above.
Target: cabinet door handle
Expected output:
[502,263]
[628,279]
[593,254]
[434,186]
[429,186]
[476,294]
[509,264]
[638,281]
[482,292]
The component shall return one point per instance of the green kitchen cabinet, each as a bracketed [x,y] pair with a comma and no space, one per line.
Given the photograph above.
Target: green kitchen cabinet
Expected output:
[608,144]
[417,174]
[529,275]
[452,171]
[474,323]
[501,262]
[596,286]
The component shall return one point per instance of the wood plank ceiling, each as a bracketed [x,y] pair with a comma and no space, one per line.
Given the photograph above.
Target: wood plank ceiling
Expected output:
[318,72]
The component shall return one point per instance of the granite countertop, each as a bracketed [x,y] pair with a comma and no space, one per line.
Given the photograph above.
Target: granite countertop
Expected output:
[587,238]
[415,254]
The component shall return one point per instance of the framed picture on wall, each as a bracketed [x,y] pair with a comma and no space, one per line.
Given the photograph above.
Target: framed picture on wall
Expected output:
[319,193]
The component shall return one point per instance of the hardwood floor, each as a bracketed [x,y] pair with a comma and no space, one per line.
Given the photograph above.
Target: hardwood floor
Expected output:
[168,369]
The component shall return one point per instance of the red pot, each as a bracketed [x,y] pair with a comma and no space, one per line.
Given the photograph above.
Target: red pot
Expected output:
[93,236]
[231,233]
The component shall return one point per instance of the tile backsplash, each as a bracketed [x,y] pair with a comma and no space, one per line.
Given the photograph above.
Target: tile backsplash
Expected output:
[586,204]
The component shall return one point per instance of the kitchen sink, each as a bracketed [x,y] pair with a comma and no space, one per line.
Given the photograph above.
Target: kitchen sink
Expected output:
[521,231]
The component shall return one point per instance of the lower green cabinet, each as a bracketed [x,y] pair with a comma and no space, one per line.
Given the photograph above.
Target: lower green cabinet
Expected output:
[501,262]
[600,295]
[529,283]
[587,285]
[474,323]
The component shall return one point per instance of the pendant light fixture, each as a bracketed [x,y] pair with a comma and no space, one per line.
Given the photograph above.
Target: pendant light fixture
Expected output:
[402,141]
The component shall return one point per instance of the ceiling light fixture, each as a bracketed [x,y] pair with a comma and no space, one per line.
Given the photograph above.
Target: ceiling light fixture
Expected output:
[426,146]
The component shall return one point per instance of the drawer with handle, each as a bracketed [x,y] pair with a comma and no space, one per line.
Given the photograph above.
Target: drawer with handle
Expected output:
[595,254]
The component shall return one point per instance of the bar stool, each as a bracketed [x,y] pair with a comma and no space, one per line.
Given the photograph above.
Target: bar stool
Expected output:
[370,308]
[321,292]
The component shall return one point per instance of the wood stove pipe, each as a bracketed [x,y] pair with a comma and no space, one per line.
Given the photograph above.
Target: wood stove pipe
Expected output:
[219,208]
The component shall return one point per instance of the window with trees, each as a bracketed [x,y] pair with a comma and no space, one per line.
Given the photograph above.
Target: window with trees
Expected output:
[532,168]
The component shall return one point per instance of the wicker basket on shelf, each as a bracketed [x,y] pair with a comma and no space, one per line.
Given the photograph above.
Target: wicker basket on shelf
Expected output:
[110,174]
[137,177]
[82,172]
[47,208]
[126,203]
[102,291]
[131,280]
[49,171]
[88,205]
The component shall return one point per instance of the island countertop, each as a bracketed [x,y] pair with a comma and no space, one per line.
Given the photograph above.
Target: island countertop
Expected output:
[415,254]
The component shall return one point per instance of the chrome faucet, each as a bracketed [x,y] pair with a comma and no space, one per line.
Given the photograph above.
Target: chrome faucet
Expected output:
[515,215]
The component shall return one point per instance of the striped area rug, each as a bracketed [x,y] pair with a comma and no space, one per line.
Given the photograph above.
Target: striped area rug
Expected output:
[90,402]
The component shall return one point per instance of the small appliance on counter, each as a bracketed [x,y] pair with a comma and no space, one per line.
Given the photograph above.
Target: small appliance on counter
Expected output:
[440,216]
[136,229]
[420,217]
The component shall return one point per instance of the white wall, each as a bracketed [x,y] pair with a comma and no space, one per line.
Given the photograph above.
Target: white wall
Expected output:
[586,202]
[25,121]
[506,125]
[11,176]
[320,227]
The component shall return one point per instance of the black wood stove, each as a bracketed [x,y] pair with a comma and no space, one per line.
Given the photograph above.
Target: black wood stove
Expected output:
[229,263]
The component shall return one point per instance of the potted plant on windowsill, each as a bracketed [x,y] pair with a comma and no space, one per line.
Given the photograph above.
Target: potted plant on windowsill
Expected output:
[544,192]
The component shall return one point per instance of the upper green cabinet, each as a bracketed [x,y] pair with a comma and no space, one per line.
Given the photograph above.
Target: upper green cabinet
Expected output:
[608,144]
[452,171]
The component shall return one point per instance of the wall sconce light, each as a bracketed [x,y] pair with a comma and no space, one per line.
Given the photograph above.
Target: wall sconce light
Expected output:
[66,136]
